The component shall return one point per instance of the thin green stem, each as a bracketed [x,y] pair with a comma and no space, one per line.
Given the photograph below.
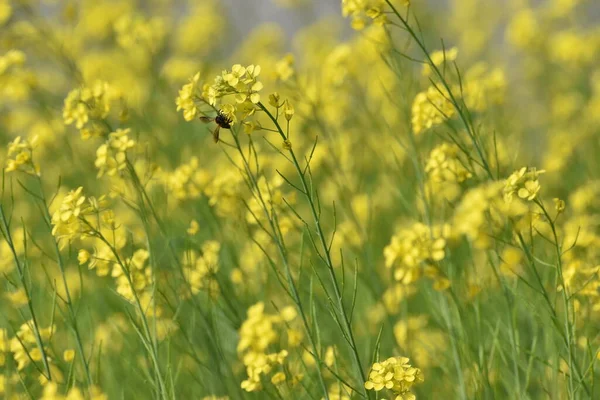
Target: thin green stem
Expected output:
[326,251]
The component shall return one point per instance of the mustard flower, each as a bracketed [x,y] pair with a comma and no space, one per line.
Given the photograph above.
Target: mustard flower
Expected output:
[188,181]
[275,100]
[72,220]
[338,391]
[186,100]
[240,85]
[288,110]
[258,365]
[258,333]
[24,345]
[200,269]
[414,249]
[284,68]
[444,164]
[16,80]
[440,57]
[111,157]
[136,31]
[559,205]
[430,108]
[5,11]
[523,29]
[363,11]
[20,156]
[193,228]
[483,86]
[87,104]
[241,82]
[69,355]
[524,183]
[136,278]
[396,375]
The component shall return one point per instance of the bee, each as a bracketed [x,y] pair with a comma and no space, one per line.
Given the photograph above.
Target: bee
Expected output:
[222,121]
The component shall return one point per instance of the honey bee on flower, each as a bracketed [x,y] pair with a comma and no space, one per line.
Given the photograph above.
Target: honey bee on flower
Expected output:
[223,120]
[240,86]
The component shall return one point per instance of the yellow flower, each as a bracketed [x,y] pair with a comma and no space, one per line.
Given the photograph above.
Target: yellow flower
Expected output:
[233,77]
[111,157]
[5,13]
[444,164]
[186,100]
[288,110]
[430,108]
[529,190]
[194,228]
[361,11]
[413,249]
[200,269]
[559,205]
[396,375]
[523,182]
[20,156]
[440,57]
[278,378]
[83,256]
[284,68]
[17,298]
[70,220]
[69,355]
[89,104]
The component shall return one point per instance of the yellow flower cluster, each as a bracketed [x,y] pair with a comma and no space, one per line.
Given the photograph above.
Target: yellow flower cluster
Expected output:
[224,192]
[240,82]
[102,258]
[338,392]
[440,58]
[582,272]
[136,278]
[423,340]
[188,181]
[52,392]
[482,211]
[444,164]
[20,156]
[430,108]
[524,183]
[200,269]
[363,11]
[284,68]
[87,106]
[483,87]
[73,219]
[396,375]
[413,251]
[111,157]
[24,345]
[15,80]
[5,11]
[258,333]
[189,94]
[480,88]
[135,31]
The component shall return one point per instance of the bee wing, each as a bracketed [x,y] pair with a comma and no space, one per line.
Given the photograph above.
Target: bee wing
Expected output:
[206,119]
[216,134]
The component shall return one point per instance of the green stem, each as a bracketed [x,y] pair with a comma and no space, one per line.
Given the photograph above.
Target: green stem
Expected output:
[283,255]
[327,258]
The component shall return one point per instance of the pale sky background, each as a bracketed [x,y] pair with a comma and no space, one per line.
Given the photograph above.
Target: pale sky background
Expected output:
[247,14]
